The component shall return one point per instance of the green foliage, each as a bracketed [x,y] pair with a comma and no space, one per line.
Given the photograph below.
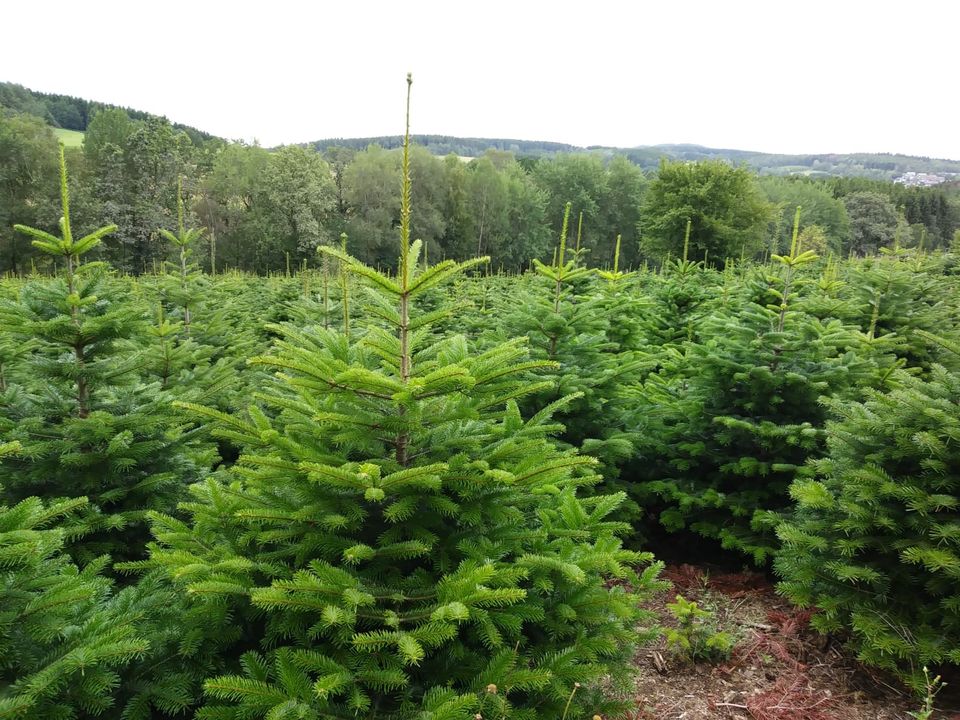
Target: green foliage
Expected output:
[934,209]
[505,210]
[874,542]
[410,501]
[61,646]
[183,291]
[932,689]
[86,425]
[820,209]
[724,428]
[682,296]
[606,197]
[65,111]
[28,170]
[727,211]
[873,222]
[138,165]
[586,341]
[852,166]
[396,535]
[894,295]
[298,195]
[696,636]
[474,196]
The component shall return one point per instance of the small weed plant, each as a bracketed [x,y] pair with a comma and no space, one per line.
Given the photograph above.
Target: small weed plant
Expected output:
[933,687]
[696,635]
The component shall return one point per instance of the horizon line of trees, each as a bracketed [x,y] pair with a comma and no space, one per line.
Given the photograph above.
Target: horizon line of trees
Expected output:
[268,210]
[75,113]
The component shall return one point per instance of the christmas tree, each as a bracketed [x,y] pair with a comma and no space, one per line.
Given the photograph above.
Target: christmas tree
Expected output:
[396,538]
[725,428]
[87,425]
[60,646]
[874,541]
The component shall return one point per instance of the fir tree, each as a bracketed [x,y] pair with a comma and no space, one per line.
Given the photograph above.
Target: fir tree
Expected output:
[874,541]
[626,307]
[183,289]
[893,295]
[396,538]
[724,430]
[183,357]
[681,297]
[60,646]
[87,426]
[68,649]
[568,318]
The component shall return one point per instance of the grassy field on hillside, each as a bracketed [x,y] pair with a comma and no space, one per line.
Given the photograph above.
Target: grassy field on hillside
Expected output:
[70,138]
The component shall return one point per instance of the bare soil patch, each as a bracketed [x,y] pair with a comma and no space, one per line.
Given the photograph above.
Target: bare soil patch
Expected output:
[780,669]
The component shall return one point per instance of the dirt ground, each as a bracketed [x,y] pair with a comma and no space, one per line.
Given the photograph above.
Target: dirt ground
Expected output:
[780,669]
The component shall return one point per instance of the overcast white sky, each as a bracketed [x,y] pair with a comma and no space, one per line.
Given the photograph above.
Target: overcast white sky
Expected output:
[812,76]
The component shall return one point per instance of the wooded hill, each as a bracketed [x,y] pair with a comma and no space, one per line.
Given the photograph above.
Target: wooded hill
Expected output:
[73,113]
[878,166]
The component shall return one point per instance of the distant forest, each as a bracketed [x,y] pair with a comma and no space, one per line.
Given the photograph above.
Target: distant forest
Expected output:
[72,113]
[878,166]
[268,210]
[449,145]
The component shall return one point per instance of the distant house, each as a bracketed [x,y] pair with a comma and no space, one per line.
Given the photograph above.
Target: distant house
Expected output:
[915,179]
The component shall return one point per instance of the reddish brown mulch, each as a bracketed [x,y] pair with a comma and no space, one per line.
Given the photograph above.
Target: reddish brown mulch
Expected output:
[780,669]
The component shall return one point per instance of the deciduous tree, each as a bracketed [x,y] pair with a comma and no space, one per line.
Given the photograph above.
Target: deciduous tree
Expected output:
[727,212]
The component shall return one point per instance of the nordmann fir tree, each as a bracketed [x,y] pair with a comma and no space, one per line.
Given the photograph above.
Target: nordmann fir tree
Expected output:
[628,310]
[623,302]
[183,287]
[13,354]
[326,302]
[682,297]
[874,541]
[190,370]
[894,294]
[87,426]
[60,645]
[185,356]
[568,317]
[69,649]
[396,540]
[723,438]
